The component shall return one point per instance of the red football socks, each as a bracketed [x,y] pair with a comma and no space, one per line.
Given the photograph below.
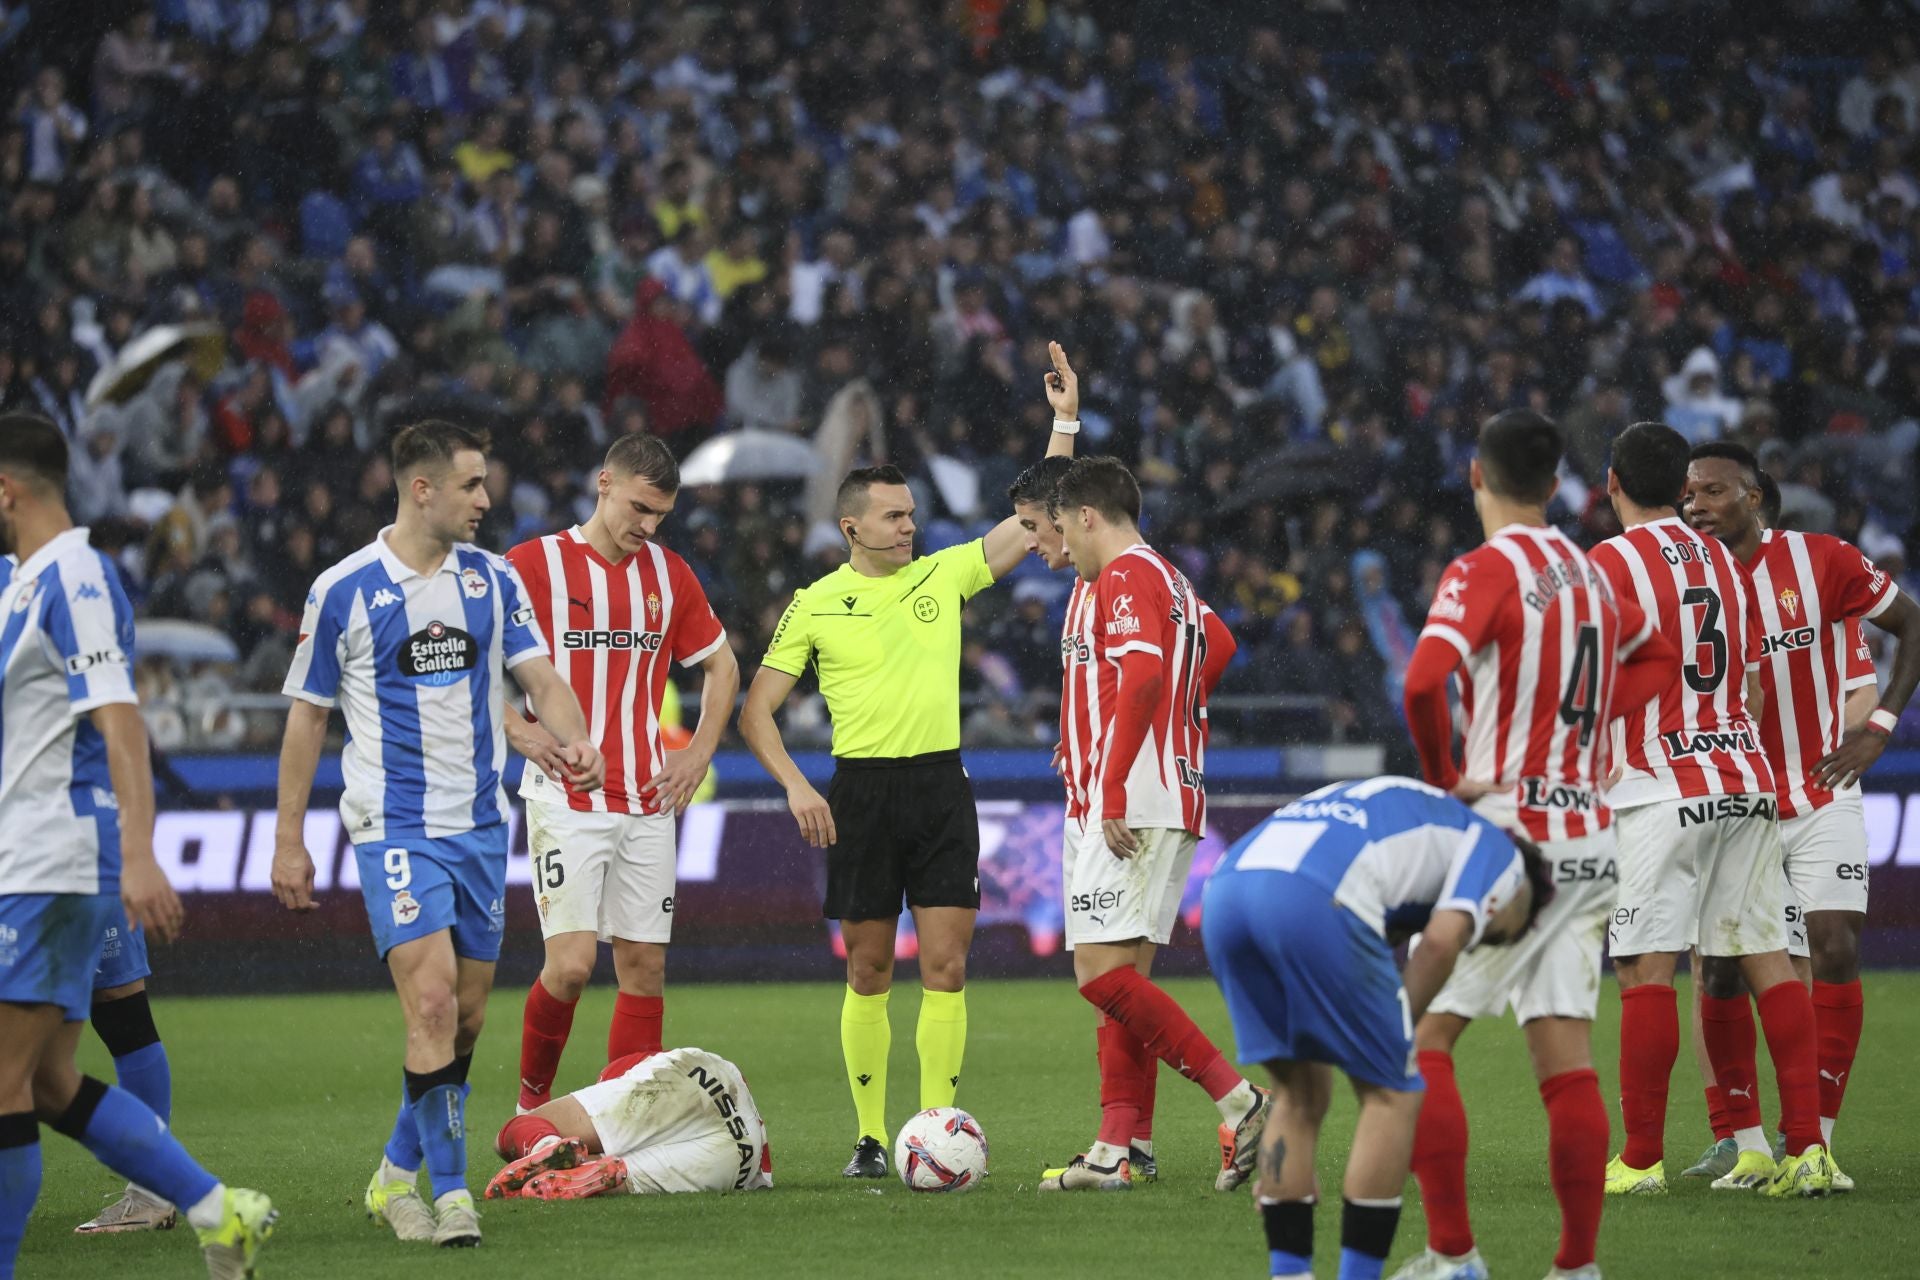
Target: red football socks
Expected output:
[1148,1068]
[1717,1114]
[636,1025]
[1164,1027]
[1727,1027]
[1576,1160]
[1786,1016]
[1440,1157]
[1837,1012]
[1649,1043]
[1119,1085]
[519,1134]
[544,1026]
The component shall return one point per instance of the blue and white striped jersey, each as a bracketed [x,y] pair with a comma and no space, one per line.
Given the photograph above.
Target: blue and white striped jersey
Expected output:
[1391,850]
[66,647]
[417,665]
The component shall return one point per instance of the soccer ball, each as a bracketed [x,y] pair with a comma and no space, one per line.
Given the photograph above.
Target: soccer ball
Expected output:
[941,1149]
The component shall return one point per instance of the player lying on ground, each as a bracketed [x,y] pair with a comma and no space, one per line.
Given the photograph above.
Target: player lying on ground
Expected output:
[1141,653]
[1298,922]
[681,1120]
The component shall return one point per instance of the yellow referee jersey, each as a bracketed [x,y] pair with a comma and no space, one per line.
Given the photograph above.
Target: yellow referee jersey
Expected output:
[887,650]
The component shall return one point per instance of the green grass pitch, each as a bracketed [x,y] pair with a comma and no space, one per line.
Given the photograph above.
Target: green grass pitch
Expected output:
[295,1095]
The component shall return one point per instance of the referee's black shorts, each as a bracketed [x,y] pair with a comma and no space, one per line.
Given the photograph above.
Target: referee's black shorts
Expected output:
[906,828]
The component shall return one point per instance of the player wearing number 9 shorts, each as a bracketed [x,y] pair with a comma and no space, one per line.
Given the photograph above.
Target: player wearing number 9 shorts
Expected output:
[1545,656]
[415,636]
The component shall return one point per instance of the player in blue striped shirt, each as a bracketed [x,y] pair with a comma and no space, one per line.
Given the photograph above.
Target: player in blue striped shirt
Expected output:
[1299,921]
[76,851]
[414,636]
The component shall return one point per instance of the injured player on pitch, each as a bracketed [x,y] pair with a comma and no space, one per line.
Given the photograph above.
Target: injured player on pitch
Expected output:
[680,1120]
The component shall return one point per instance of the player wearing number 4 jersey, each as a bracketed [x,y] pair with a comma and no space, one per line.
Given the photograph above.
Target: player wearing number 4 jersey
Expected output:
[621,610]
[1810,589]
[415,636]
[1700,861]
[1142,653]
[1546,658]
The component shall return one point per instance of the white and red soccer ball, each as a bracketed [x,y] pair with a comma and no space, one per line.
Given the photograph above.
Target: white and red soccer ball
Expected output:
[941,1149]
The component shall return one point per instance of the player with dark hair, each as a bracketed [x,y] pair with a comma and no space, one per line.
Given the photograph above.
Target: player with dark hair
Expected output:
[620,609]
[1142,654]
[76,804]
[1693,804]
[1545,658]
[898,821]
[415,636]
[1300,920]
[1811,588]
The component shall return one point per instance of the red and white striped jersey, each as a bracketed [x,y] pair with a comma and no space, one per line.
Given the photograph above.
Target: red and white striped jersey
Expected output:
[1541,638]
[1698,739]
[617,629]
[1139,603]
[1810,587]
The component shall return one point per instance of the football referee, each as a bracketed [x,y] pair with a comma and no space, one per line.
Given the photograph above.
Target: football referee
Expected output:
[898,821]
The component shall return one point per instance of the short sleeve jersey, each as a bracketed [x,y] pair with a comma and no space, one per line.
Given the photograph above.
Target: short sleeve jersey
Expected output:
[66,647]
[887,651]
[417,664]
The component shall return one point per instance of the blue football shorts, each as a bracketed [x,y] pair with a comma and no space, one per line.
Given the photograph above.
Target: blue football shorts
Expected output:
[416,887]
[50,947]
[1306,980]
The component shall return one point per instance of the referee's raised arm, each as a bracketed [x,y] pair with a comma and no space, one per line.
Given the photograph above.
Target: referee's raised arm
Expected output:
[898,821]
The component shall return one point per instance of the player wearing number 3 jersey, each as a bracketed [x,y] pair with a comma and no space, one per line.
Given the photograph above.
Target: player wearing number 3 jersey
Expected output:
[1700,860]
[1546,657]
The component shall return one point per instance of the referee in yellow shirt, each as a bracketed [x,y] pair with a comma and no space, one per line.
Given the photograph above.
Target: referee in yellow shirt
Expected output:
[898,820]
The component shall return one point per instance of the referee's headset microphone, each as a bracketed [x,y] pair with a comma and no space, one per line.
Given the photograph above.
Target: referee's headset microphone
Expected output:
[855,539]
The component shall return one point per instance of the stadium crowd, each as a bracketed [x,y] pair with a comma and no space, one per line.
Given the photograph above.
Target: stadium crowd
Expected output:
[1296,281]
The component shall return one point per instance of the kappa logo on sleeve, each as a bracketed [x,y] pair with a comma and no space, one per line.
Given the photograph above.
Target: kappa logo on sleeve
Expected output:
[88,591]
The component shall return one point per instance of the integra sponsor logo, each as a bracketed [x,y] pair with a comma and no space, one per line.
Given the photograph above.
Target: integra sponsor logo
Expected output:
[1543,793]
[1786,641]
[1679,743]
[647,641]
[438,654]
[1693,815]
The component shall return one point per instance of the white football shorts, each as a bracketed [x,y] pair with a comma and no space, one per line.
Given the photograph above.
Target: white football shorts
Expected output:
[1554,971]
[1111,899]
[682,1120]
[1703,873]
[610,874]
[1826,865]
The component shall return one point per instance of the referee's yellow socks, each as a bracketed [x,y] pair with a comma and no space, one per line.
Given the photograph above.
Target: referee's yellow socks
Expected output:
[942,1040]
[865,1037]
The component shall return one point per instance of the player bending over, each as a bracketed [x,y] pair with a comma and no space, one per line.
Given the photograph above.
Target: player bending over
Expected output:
[681,1120]
[1141,654]
[1299,924]
[76,807]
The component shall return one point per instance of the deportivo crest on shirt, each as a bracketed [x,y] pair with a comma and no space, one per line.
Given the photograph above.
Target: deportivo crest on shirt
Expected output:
[1790,601]
[474,583]
[653,609]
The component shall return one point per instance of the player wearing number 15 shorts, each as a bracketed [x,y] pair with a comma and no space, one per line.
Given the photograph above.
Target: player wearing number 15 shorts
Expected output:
[1545,657]
[621,610]
[1700,862]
